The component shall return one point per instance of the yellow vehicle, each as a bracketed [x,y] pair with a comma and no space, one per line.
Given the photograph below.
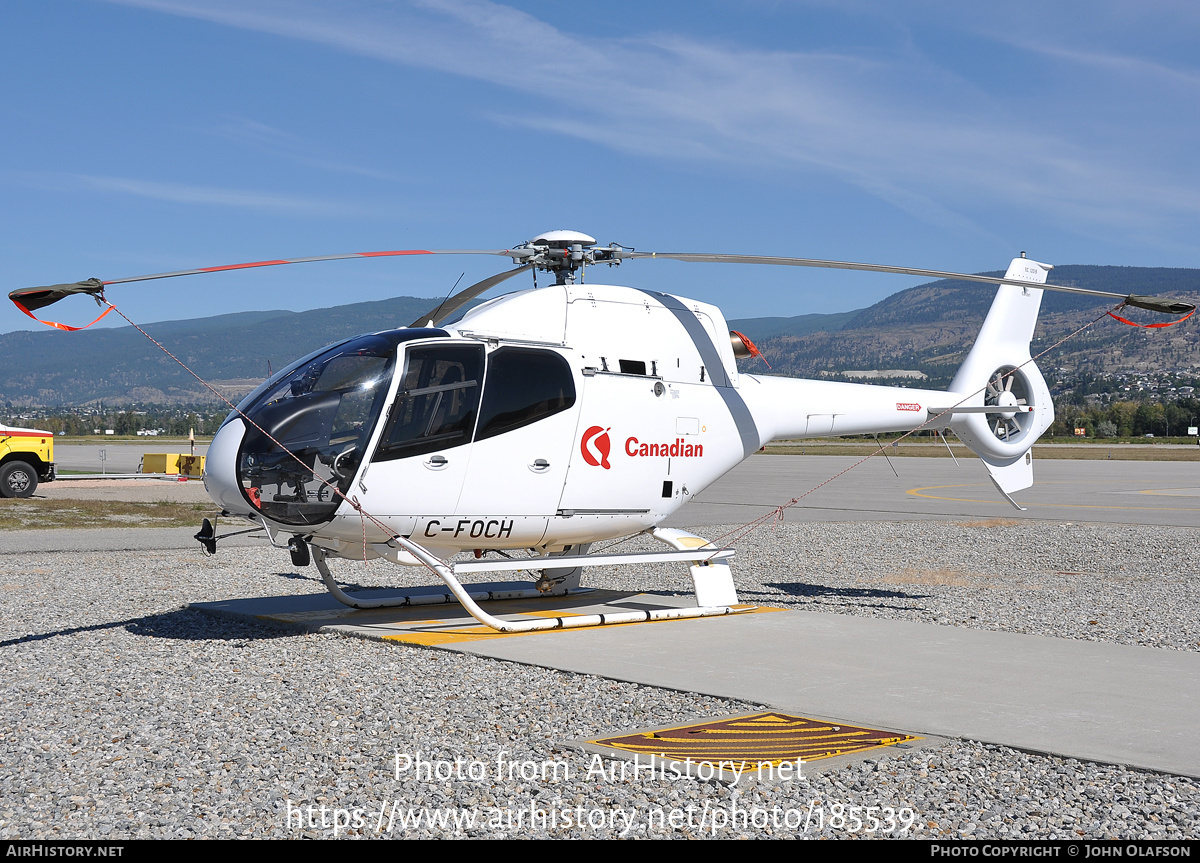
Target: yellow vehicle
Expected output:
[26,456]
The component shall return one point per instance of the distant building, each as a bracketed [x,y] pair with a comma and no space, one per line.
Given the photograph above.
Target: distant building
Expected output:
[870,374]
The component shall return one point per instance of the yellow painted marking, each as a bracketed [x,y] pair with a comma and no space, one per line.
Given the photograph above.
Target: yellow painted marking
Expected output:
[433,639]
[479,632]
[1173,492]
[917,492]
[453,624]
[717,740]
[774,756]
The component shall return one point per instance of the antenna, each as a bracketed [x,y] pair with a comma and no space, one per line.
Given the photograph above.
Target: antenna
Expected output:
[433,317]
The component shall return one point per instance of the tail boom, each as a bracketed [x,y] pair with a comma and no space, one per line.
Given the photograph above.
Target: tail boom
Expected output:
[998,403]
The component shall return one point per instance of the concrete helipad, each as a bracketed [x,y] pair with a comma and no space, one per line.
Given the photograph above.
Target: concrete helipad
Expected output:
[1102,702]
[445,624]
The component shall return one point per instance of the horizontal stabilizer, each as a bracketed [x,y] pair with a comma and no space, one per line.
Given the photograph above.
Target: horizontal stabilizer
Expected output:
[1003,410]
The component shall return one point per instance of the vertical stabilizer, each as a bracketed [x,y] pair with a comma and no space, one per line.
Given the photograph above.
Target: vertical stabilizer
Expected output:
[998,373]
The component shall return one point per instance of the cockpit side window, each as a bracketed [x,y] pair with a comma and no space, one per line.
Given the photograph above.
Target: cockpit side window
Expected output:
[436,403]
[523,386]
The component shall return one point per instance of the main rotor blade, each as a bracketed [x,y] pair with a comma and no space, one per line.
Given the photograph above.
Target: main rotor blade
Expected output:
[275,263]
[34,298]
[1154,304]
[456,302]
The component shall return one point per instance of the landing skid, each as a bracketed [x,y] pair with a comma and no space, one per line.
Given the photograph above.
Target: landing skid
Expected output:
[695,550]
[360,601]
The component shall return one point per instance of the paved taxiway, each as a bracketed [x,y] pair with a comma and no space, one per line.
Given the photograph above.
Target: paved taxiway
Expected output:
[118,456]
[1117,492]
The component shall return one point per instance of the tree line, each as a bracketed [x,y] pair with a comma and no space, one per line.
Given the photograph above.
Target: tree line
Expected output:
[171,421]
[1127,418]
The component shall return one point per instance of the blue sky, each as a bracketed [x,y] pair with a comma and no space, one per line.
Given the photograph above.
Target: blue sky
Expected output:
[149,135]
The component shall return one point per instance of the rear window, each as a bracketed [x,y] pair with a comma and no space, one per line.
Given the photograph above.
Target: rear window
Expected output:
[523,386]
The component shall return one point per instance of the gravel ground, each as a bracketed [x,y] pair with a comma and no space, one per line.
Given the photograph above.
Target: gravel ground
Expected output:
[1127,584]
[126,716]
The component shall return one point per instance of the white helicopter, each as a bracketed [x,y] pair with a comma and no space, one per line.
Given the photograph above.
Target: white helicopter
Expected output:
[553,418]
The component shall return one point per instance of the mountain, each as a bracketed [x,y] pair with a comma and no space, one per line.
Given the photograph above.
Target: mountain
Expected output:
[801,325]
[930,328]
[120,365]
[927,328]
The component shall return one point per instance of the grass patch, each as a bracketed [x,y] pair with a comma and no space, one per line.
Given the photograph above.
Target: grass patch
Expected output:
[990,522]
[33,514]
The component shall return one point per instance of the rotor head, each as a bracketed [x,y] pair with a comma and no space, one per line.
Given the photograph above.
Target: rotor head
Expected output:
[563,253]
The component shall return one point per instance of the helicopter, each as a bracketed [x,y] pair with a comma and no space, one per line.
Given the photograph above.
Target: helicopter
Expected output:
[552,418]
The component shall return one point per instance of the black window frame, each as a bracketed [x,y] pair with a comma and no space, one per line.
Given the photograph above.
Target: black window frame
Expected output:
[428,443]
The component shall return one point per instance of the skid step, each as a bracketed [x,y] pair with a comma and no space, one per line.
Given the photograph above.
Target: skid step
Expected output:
[590,560]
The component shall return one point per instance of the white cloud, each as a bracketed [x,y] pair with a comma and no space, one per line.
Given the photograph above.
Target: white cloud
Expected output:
[182,194]
[898,125]
[280,143]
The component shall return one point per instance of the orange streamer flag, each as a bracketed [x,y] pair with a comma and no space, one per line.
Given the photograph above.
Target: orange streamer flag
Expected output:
[1152,326]
[36,298]
[56,324]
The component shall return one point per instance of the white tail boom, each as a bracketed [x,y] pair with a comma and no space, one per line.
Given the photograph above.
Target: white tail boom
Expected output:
[998,403]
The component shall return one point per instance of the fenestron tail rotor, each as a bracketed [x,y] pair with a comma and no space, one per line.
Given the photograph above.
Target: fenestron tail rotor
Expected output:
[1006,387]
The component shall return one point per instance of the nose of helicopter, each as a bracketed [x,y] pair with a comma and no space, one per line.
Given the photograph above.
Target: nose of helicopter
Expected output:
[220,468]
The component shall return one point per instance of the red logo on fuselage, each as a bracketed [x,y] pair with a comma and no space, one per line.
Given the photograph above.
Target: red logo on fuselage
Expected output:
[595,447]
[679,449]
